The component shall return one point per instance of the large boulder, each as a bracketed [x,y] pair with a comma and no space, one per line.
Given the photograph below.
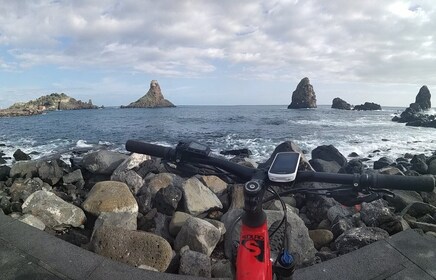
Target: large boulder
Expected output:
[21,189]
[26,169]
[329,153]
[198,198]
[53,211]
[110,196]
[160,181]
[32,221]
[50,172]
[20,155]
[200,235]
[194,263]
[103,162]
[154,98]
[135,248]
[303,96]
[341,104]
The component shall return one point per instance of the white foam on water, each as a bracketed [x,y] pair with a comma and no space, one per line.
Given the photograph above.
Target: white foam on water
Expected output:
[83,144]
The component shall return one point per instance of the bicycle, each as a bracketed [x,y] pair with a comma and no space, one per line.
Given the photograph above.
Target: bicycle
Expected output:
[253,258]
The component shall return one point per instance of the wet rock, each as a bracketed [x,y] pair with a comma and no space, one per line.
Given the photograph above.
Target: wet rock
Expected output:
[356,238]
[103,162]
[32,221]
[167,200]
[177,221]
[194,264]
[321,237]
[198,198]
[126,173]
[19,155]
[303,96]
[24,169]
[53,211]
[329,153]
[201,236]
[214,183]
[50,172]
[110,196]
[135,248]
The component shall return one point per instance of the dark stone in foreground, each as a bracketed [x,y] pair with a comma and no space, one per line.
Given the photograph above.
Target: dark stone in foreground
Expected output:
[20,155]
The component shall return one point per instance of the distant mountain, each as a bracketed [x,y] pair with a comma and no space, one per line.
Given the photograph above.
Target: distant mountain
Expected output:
[153,99]
[54,101]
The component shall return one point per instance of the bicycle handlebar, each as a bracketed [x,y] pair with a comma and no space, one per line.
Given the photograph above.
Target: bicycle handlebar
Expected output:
[409,183]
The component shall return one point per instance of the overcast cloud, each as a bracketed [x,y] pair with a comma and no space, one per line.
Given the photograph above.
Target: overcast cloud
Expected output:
[217,52]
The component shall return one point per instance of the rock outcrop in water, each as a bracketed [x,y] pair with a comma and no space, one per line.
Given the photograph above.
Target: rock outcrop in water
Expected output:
[415,114]
[303,96]
[368,106]
[341,104]
[153,99]
[54,101]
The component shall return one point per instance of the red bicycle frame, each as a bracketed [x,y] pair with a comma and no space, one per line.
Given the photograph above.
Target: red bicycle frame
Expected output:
[253,259]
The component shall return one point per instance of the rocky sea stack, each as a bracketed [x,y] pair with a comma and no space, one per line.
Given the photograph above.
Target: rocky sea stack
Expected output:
[51,102]
[415,114]
[303,96]
[340,104]
[368,106]
[153,99]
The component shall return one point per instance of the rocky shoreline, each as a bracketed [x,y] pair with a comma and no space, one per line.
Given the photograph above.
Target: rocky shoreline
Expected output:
[136,210]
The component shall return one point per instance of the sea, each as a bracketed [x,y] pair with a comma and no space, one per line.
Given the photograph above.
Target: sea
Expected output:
[258,128]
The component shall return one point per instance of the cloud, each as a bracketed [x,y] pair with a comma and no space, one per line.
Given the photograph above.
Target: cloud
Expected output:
[369,41]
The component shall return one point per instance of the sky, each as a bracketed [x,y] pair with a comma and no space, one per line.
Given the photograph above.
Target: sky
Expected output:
[226,52]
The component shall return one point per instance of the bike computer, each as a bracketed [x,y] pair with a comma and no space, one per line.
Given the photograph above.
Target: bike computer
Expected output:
[284,167]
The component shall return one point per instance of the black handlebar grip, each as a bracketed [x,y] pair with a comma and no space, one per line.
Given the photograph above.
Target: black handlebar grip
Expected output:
[148,149]
[408,183]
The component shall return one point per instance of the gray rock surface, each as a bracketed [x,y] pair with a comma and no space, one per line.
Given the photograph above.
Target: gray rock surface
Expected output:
[303,96]
[177,221]
[198,198]
[32,221]
[27,169]
[21,189]
[126,173]
[356,238]
[194,264]
[73,177]
[50,172]
[53,211]
[214,183]
[159,181]
[321,237]
[123,220]
[103,162]
[167,200]
[200,235]
[135,248]
[329,153]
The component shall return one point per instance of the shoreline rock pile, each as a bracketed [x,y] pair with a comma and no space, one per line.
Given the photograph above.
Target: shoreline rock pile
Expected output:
[134,209]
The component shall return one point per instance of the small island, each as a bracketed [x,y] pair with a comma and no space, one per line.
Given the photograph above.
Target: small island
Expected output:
[303,96]
[153,99]
[51,102]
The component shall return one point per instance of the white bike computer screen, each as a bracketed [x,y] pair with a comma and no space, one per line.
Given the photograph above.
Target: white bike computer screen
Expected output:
[285,163]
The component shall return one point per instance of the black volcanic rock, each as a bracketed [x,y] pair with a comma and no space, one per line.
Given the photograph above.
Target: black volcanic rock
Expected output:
[153,99]
[423,98]
[414,115]
[368,106]
[303,96]
[340,104]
